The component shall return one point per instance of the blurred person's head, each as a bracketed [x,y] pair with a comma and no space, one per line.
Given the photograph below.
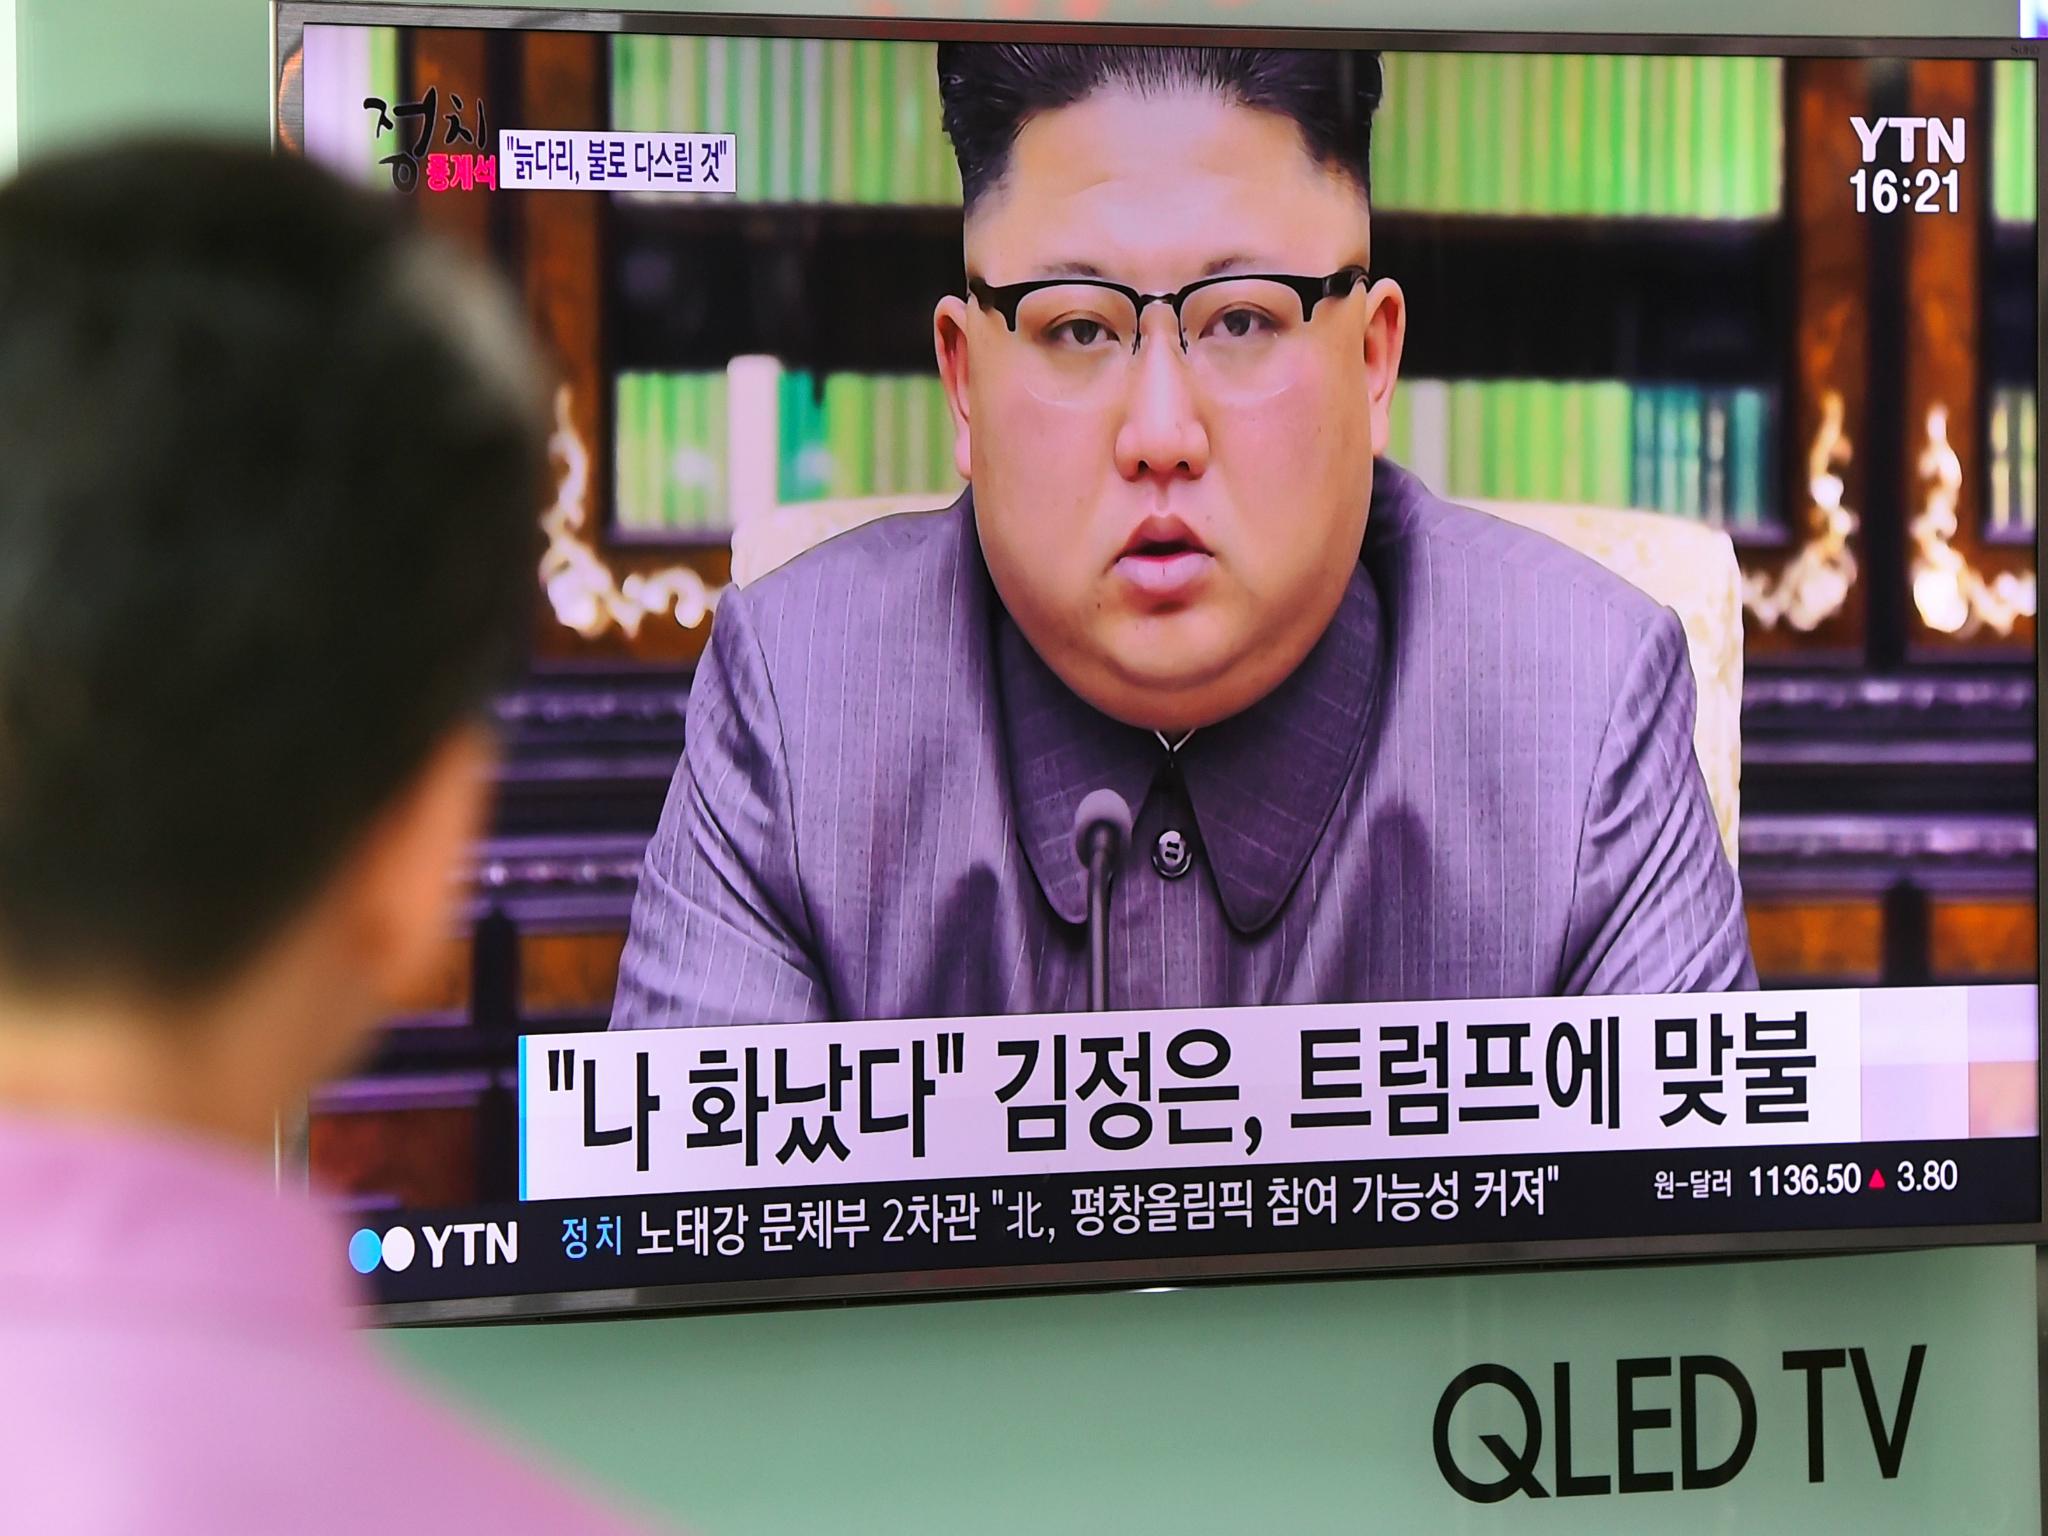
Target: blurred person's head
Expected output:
[269,461]
[1171,527]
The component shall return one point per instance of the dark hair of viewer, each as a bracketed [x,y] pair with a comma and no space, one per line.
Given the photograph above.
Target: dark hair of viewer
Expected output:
[269,464]
[988,91]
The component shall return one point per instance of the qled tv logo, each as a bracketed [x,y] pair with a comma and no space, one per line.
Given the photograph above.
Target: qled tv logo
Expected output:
[481,1242]
[1585,1460]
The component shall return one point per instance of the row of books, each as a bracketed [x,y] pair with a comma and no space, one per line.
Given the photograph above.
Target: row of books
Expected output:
[669,452]
[842,121]
[863,434]
[835,435]
[2014,445]
[1693,452]
[1571,134]
[2012,141]
[815,120]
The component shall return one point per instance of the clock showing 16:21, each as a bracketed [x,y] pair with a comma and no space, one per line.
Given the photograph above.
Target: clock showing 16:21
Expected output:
[1909,164]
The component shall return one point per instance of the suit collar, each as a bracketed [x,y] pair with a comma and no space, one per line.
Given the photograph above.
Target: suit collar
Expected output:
[1263,784]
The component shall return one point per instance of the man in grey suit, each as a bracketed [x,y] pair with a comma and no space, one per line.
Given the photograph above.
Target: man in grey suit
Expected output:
[1378,746]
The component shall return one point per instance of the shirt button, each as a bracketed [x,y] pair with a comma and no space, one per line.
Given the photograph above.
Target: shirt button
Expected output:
[1171,855]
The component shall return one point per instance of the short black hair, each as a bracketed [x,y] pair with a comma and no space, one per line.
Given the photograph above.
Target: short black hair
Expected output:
[988,91]
[270,462]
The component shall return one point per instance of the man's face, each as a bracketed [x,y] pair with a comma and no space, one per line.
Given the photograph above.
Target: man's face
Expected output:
[1170,540]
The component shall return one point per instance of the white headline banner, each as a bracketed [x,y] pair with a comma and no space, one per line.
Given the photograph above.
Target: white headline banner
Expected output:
[568,160]
[764,1106]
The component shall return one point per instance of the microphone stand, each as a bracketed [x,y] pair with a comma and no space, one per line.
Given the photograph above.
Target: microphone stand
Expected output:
[1102,826]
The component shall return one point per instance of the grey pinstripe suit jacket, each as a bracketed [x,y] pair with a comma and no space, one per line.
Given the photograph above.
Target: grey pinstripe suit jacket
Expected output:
[1480,784]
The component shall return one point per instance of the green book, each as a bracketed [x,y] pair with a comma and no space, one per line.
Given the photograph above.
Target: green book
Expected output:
[788,437]
[1400,427]
[1384,164]
[1574,174]
[862,399]
[1465,451]
[694,456]
[675,465]
[1710,137]
[1676,110]
[1656,130]
[2012,150]
[1737,138]
[664,61]
[907,130]
[2001,140]
[1543,452]
[917,435]
[1445,136]
[871,120]
[945,439]
[1479,144]
[1746,466]
[622,113]
[1510,134]
[1493,448]
[793,443]
[690,463]
[1714,458]
[656,424]
[718,113]
[883,434]
[1411,147]
[1598,109]
[655,429]
[837,410]
[1691,450]
[1540,146]
[842,98]
[1574,481]
[682,84]
[625,511]
[1642,490]
[1608,454]
[647,439]
[1771,133]
[820,474]
[717,446]
[756,115]
[1629,133]
[810,120]
[780,110]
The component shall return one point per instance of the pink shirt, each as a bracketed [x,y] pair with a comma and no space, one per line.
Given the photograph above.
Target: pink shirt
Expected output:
[177,1356]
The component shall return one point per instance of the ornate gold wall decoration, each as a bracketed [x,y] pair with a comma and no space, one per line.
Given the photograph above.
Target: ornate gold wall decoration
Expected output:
[583,591]
[1813,585]
[1951,595]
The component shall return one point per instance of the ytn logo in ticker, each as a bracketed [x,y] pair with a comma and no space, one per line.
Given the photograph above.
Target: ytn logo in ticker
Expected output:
[482,1242]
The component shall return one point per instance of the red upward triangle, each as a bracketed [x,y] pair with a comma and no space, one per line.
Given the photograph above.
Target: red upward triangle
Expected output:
[1877,1178]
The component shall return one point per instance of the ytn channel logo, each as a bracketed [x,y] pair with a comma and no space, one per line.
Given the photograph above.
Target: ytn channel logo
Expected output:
[483,1242]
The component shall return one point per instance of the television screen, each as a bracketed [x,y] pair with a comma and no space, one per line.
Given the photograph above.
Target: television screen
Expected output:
[1178,653]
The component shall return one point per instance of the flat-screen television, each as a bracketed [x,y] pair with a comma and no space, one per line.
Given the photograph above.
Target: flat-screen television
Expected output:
[1179,653]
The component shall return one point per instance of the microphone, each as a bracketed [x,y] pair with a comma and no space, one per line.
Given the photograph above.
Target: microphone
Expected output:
[1102,826]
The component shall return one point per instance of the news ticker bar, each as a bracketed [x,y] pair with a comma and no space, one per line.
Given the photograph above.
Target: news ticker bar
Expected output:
[1251,1089]
[1008,1222]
